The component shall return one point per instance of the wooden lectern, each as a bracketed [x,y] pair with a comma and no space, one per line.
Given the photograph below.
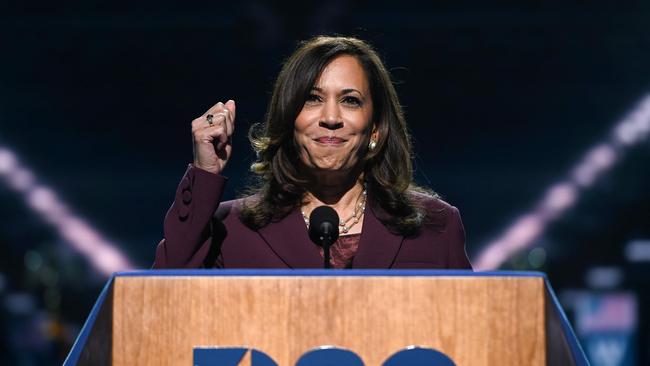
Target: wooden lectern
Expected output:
[486,318]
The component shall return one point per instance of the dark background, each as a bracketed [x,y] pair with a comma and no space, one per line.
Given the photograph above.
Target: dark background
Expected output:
[97,98]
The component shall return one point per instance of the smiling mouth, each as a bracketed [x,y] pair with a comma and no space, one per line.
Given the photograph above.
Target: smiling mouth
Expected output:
[330,140]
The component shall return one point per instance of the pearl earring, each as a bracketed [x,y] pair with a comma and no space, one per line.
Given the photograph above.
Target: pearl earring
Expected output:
[372,145]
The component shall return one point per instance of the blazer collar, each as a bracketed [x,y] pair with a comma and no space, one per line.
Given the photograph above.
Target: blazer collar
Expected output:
[289,239]
[378,247]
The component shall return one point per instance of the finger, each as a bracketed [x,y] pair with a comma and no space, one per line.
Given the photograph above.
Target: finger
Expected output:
[232,108]
[232,112]
[228,122]
[221,118]
[209,120]
[228,108]
[220,122]
[200,122]
[220,108]
[215,134]
[221,138]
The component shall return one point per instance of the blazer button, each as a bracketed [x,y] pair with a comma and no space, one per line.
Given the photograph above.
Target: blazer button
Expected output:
[183,211]
[187,197]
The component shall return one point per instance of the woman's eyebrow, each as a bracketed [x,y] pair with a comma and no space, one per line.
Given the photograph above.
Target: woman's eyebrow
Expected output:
[350,90]
[343,91]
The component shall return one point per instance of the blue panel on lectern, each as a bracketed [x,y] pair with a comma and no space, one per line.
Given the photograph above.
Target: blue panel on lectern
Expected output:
[218,356]
[261,359]
[417,356]
[329,356]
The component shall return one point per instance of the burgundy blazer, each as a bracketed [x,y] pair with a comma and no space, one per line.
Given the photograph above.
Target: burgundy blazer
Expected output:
[201,232]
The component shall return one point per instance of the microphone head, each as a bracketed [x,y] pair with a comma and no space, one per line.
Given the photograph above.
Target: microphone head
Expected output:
[323,225]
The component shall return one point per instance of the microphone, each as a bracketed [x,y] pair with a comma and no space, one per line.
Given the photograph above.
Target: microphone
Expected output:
[324,229]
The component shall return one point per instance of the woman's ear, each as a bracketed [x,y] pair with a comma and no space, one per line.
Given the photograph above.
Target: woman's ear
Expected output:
[374,136]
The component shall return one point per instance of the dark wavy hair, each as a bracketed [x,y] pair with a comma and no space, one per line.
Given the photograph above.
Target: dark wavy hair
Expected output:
[388,171]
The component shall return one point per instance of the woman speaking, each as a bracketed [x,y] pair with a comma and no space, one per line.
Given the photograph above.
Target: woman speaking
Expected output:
[334,135]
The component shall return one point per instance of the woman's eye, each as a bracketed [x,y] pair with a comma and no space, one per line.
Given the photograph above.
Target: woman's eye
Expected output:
[352,101]
[311,98]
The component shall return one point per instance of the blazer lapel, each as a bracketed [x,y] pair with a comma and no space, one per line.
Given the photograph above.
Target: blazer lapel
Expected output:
[289,239]
[378,247]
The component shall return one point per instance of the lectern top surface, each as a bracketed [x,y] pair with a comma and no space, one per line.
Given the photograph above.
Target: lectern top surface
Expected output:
[327,272]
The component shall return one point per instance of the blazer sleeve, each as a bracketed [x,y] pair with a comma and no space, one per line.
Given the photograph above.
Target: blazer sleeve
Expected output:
[187,232]
[457,254]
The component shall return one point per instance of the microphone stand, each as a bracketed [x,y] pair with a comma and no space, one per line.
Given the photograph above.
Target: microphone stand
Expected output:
[326,252]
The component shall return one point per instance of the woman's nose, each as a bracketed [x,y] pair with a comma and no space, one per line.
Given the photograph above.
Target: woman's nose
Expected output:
[331,116]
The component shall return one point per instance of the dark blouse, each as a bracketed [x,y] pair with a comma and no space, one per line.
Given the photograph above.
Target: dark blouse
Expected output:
[342,252]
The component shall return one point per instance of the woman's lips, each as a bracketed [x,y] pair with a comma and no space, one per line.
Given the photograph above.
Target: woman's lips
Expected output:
[330,140]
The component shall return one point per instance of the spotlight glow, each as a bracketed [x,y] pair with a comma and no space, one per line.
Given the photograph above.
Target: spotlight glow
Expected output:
[102,253]
[561,196]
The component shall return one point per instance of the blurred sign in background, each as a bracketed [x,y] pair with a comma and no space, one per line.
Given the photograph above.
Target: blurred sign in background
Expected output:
[540,117]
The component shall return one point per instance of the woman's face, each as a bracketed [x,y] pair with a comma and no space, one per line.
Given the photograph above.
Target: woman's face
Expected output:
[331,129]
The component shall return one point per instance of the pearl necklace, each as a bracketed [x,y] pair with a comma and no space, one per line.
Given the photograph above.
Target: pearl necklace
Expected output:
[359,209]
